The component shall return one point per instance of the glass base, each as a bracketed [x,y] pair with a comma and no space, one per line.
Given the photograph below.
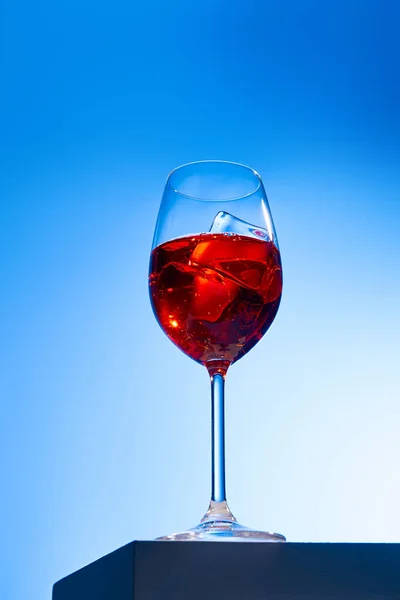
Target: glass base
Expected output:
[219,525]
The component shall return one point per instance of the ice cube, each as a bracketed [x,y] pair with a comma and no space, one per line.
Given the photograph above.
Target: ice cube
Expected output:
[240,259]
[244,262]
[212,294]
[226,223]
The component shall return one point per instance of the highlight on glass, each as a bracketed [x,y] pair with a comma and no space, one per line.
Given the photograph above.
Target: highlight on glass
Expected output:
[215,283]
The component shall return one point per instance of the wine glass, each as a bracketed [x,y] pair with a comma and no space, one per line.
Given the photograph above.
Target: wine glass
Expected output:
[215,285]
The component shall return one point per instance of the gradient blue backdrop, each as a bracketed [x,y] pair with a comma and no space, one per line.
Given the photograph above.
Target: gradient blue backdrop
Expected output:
[105,424]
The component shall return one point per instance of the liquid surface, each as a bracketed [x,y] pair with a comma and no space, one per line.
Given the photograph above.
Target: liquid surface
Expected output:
[215,295]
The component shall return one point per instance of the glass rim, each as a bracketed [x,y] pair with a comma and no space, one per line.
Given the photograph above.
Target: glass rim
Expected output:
[214,161]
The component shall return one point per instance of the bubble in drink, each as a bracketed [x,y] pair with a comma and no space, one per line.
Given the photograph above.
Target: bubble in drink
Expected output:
[226,223]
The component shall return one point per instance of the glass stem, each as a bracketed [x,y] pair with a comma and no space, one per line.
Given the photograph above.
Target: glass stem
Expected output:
[218,493]
[218,509]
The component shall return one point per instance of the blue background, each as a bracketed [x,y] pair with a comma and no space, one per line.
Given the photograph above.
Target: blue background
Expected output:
[104,423]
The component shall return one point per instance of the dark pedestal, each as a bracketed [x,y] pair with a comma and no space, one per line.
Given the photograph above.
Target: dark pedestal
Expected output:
[238,571]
